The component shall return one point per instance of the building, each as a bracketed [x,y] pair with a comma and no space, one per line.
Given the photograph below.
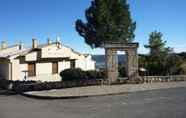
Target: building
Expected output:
[40,62]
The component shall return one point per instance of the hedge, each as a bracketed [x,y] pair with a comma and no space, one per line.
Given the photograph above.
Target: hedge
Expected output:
[21,87]
[70,78]
[4,84]
[78,74]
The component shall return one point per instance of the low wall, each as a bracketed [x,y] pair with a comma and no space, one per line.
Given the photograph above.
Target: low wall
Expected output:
[150,79]
[23,86]
[20,87]
[45,78]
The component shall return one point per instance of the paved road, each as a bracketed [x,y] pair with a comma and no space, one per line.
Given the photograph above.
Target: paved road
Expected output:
[169,103]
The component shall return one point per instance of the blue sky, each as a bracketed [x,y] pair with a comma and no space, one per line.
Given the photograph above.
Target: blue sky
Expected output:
[22,20]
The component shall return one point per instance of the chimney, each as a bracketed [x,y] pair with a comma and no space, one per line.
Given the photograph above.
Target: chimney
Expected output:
[34,43]
[21,45]
[49,41]
[58,40]
[4,45]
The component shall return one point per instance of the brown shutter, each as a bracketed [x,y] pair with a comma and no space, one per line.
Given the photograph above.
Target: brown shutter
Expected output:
[31,69]
[54,67]
[72,64]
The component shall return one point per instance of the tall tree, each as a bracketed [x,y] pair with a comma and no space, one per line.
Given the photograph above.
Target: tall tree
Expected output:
[157,59]
[162,60]
[157,45]
[107,20]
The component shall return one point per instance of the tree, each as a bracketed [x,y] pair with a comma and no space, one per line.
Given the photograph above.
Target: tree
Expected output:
[174,64]
[161,59]
[157,45]
[156,61]
[107,20]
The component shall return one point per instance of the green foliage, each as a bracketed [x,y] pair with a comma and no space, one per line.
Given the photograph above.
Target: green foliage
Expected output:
[95,74]
[77,74]
[72,74]
[157,45]
[107,20]
[122,70]
[183,67]
[20,87]
[4,84]
[161,60]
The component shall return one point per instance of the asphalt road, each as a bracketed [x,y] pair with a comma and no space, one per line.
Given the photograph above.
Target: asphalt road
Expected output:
[169,103]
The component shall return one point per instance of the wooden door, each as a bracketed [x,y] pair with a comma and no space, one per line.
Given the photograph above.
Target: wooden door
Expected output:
[54,67]
[31,69]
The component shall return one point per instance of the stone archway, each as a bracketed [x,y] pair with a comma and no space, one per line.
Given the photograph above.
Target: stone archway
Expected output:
[112,61]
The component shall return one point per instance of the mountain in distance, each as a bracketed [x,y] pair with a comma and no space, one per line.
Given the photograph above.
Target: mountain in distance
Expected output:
[100,60]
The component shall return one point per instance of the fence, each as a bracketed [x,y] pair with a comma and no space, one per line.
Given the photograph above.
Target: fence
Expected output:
[150,79]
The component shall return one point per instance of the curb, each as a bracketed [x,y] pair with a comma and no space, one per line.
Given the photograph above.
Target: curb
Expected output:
[101,94]
[69,97]
[7,92]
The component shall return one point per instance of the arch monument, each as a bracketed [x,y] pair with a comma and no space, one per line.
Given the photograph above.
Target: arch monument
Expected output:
[130,49]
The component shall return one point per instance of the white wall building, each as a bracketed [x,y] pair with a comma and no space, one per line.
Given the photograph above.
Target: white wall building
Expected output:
[41,62]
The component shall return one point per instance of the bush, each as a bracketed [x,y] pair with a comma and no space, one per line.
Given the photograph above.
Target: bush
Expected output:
[95,74]
[91,74]
[70,77]
[78,74]
[4,84]
[122,71]
[73,74]
[21,87]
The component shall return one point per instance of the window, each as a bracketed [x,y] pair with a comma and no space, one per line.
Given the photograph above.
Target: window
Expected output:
[72,64]
[54,67]
[31,69]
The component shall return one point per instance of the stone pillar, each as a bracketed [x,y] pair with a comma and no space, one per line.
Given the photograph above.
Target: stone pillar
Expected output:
[111,64]
[132,64]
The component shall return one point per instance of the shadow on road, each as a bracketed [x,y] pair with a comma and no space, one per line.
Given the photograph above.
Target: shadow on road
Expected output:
[7,93]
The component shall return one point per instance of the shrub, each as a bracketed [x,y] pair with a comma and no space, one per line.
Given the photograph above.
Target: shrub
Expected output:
[95,74]
[21,87]
[4,84]
[91,74]
[78,74]
[122,71]
[73,74]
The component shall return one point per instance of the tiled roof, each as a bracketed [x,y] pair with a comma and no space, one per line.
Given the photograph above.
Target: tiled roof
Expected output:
[14,53]
[25,51]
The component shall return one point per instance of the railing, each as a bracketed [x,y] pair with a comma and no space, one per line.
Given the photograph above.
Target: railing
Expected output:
[150,79]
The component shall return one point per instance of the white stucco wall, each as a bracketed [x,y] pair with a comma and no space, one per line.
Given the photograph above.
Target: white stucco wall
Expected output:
[85,63]
[63,65]
[17,70]
[54,51]
[22,67]
[44,73]
[43,68]
[31,56]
